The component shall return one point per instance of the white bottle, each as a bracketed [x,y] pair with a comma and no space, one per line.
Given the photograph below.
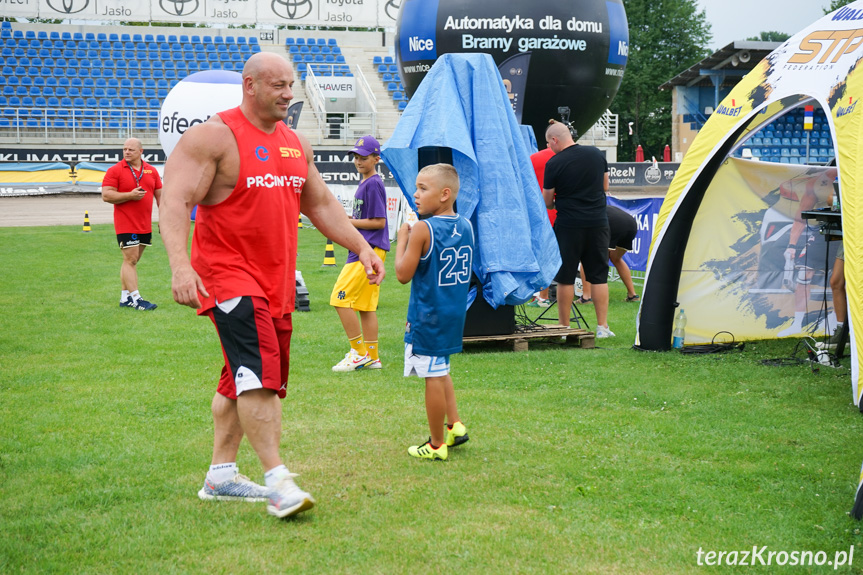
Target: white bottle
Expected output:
[679,333]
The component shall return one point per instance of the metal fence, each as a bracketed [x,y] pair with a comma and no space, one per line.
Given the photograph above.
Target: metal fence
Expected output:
[75,125]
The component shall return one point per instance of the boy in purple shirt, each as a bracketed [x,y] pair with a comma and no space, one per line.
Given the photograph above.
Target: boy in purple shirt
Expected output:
[352,292]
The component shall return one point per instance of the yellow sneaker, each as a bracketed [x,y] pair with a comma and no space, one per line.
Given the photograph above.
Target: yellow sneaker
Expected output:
[425,451]
[455,435]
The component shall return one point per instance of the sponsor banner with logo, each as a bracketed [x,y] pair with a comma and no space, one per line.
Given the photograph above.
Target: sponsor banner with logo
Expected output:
[361,13]
[75,155]
[641,174]
[820,67]
[337,87]
[210,11]
[645,212]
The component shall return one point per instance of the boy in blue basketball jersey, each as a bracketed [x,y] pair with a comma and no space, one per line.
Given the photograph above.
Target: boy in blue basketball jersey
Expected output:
[437,254]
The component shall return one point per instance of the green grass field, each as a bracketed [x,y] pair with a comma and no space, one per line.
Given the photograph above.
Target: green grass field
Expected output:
[580,461]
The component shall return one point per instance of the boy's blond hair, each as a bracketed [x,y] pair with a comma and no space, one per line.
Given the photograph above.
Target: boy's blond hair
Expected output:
[445,175]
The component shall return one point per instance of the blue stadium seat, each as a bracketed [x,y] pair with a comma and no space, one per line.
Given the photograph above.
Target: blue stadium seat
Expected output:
[242,40]
[230,40]
[402,105]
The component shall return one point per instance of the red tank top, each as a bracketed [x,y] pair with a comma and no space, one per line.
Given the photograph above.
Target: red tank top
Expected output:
[247,244]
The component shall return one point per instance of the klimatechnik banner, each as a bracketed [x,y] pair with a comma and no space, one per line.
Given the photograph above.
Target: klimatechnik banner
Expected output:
[354,13]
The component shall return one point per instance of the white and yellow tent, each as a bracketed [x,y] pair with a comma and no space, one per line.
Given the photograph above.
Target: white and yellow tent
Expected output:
[710,247]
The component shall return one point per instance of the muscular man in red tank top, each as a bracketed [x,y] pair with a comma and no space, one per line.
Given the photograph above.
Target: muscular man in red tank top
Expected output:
[250,176]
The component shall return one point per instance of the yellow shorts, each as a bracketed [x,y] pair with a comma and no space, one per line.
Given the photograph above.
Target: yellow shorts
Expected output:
[352,289]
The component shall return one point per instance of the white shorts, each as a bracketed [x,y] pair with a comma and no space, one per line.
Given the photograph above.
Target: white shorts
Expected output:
[424,365]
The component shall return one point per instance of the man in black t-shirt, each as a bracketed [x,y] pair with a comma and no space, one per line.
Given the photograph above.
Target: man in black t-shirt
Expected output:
[575,183]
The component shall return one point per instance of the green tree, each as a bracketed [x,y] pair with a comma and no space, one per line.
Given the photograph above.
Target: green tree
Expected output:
[836,4]
[770,36]
[665,38]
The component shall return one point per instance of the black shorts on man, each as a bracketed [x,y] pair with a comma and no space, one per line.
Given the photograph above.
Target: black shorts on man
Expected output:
[134,240]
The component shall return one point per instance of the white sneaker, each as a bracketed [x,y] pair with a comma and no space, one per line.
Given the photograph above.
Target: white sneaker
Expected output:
[287,499]
[352,361]
[374,364]
[239,488]
[603,332]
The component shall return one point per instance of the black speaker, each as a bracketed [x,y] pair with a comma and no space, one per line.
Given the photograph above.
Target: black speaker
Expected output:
[482,319]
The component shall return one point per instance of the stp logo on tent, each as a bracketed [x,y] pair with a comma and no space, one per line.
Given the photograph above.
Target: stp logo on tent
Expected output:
[827,46]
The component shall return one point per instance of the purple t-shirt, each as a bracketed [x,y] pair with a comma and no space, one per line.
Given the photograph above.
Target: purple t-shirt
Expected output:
[370,201]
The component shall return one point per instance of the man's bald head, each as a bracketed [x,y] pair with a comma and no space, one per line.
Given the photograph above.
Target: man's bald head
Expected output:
[264,63]
[560,131]
[558,137]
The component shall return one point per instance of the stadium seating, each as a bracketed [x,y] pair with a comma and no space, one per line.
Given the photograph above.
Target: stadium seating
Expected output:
[106,80]
[785,141]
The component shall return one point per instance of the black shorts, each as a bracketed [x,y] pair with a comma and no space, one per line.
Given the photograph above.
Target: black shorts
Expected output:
[134,240]
[623,229]
[255,345]
[586,245]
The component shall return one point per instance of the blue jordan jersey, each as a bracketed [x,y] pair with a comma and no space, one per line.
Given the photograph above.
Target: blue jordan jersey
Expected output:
[438,302]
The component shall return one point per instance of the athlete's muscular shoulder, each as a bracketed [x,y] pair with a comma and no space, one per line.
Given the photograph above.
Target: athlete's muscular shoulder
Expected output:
[211,152]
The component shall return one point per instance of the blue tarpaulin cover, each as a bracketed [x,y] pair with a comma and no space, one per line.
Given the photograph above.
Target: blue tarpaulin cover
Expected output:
[462,104]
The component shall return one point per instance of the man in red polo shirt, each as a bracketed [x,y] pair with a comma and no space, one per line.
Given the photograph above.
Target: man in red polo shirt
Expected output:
[131,184]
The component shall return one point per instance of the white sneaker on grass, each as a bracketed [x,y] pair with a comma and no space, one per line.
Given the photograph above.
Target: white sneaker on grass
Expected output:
[603,332]
[352,361]
[287,499]
[374,364]
[239,488]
